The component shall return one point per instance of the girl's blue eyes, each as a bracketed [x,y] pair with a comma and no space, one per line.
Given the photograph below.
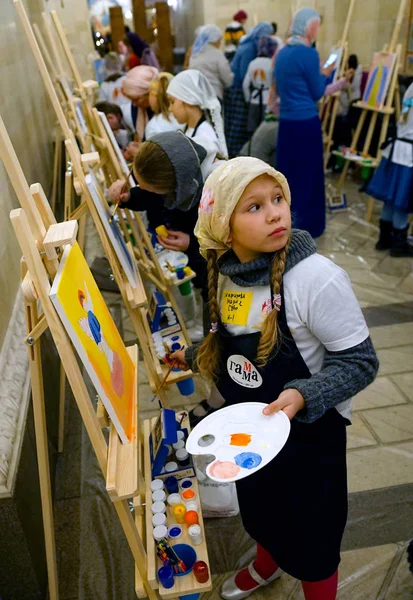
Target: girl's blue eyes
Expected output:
[255,207]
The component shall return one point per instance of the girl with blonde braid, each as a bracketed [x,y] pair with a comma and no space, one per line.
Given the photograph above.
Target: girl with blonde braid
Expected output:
[287,330]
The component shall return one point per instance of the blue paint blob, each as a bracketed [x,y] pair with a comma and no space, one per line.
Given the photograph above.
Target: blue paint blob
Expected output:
[248,460]
[175,531]
[186,484]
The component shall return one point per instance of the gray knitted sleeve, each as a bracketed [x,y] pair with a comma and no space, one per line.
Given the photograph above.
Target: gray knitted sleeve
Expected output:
[343,375]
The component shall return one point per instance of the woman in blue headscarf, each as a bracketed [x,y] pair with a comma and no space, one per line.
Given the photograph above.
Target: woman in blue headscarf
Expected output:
[300,84]
[236,109]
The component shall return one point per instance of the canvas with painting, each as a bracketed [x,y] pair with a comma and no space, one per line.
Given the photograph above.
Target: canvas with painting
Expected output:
[335,56]
[118,151]
[379,79]
[112,229]
[90,326]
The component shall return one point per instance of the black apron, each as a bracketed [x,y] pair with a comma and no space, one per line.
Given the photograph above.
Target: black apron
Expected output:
[296,506]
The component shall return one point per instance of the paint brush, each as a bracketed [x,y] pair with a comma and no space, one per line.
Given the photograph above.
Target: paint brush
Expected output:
[164,379]
[123,190]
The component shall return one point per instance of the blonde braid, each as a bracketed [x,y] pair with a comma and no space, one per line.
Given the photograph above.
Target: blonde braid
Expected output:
[208,353]
[269,332]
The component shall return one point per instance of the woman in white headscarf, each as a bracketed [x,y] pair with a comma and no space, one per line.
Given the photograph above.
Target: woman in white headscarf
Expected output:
[194,104]
[210,60]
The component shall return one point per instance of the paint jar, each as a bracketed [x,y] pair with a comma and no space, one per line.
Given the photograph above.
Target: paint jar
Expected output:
[192,505]
[182,457]
[179,511]
[180,434]
[171,466]
[158,496]
[186,483]
[175,531]
[188,555]
[201,571]
[185,288]
[171,484]
[158,507]
[191,517]
[160,532]
[156,484]
[195,535]
[186,387]
[170,451]
[159,519]
[188,495]
[178,445]
[166,576]
[174,499]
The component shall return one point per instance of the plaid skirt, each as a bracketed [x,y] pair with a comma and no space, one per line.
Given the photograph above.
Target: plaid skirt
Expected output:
[236,117]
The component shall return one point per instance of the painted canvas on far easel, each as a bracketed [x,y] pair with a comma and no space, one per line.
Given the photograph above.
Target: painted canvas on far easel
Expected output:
[379,79]
[90,326]
[112,229]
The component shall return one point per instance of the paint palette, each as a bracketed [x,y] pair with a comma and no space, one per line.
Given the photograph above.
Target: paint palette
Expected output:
[241,439]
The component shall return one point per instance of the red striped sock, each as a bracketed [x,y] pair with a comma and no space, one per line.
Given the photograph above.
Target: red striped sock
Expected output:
[321,590]
[265,566]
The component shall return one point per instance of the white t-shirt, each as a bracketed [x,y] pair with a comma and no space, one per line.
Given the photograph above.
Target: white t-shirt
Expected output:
[111,91]
[158,124]
[258,77]
[206,137]
[322,311]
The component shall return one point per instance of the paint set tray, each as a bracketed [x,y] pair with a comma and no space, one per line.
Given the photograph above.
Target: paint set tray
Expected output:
[240,439]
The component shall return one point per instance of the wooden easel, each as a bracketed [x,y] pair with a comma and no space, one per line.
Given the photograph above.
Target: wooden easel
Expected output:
[391,106]
[125,467]
[331,103]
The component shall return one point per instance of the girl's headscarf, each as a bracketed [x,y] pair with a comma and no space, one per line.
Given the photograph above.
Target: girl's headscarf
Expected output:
[136,84]
[299,27]
[137,43]
[264,28]
[193,87]
[221,193]
[209,34]
[267,46]
[138,80]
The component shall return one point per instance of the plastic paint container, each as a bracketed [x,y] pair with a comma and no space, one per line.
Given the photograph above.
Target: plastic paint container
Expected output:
[159,519]
[158,496]
[158,507]
[171,466]
[156,484]
[169,449]
[192,505]
[178,445]
[166,576]
[188,494]
[174,499]
[171,484]
[201,572]
[191,517]
[185,288]
[186,386]
[181,435]
[175,532]
[182,457]
[186,483]
[160,532]
[195,535]
[179,511]
[188,555]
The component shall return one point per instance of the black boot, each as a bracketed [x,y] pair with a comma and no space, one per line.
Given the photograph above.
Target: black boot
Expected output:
[400,246]
[384,242]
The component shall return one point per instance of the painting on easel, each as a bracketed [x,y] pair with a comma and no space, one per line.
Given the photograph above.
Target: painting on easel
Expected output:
[112,229]
[90,326]
[379,79]
[335,57]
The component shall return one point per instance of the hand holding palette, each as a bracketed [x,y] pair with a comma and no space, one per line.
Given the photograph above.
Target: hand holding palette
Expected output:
[241,439]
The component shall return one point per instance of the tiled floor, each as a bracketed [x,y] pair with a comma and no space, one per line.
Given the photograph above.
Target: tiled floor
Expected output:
[380,451]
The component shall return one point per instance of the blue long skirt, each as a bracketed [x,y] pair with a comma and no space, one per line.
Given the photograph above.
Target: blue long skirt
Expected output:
[393,184]
[300,159]
[236,117]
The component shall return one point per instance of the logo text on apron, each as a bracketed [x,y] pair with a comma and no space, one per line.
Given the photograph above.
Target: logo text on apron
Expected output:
[243,372]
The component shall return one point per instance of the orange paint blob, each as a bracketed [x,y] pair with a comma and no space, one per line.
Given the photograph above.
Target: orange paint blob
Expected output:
[240,439]
[191,517]
[188,494]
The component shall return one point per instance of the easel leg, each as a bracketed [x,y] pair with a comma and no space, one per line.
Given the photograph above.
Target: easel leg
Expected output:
[82,229]
[56,167]
[42,452]
[135,544]
[62,403]
[68,196]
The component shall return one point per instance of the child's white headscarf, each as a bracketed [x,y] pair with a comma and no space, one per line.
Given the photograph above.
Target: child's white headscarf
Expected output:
[221,193]
[193,87]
